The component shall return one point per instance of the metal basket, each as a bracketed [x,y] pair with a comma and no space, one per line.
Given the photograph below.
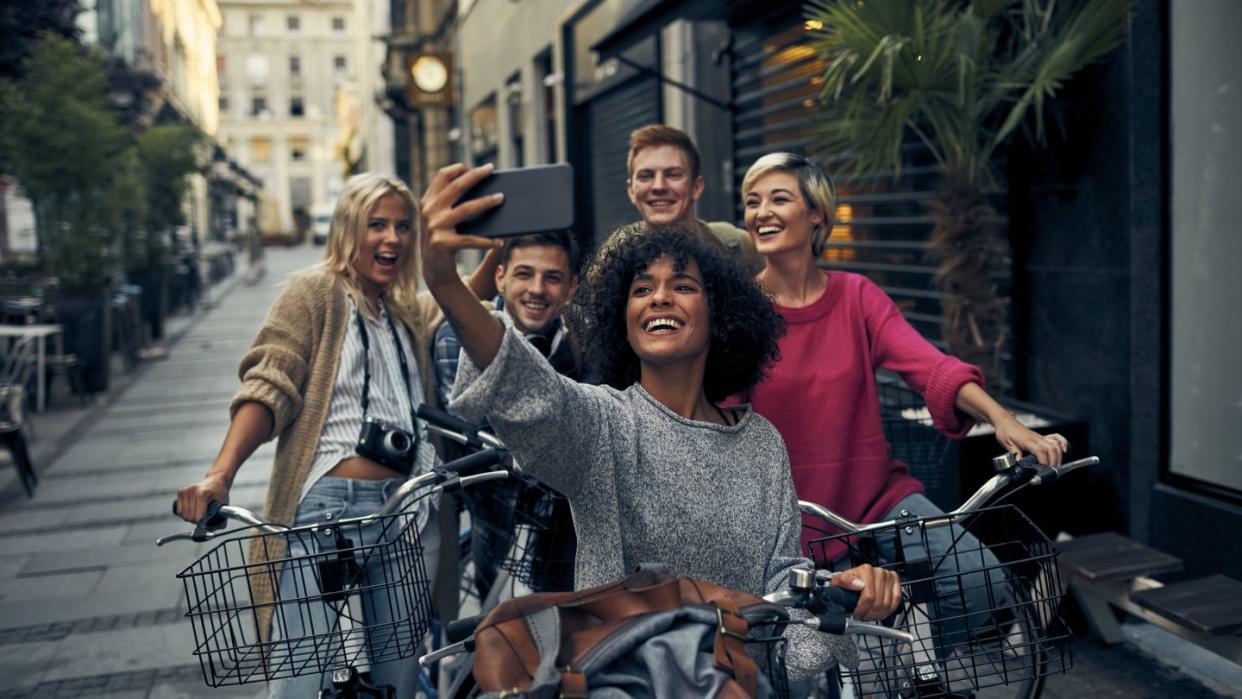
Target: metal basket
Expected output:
[1012,634]
[912,438]
[766,644]
[361,597]
[527,529]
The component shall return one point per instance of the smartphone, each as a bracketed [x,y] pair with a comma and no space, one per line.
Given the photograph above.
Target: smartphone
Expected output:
[538,199]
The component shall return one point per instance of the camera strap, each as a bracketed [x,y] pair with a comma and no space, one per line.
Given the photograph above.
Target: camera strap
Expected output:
[366,366]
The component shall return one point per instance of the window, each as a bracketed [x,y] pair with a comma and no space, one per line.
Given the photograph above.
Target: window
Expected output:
[338,25]
[293,23]
[261,150]
[258,69]
[258,106]
[517,125]
[299,147]
[296,109]
[224,104]
[340,66]
[295,65]
[1205,172]
[258,25]
[546,82]
[483,131]
[222,66]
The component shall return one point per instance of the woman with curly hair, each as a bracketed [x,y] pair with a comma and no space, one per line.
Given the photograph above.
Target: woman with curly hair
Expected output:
[654,469]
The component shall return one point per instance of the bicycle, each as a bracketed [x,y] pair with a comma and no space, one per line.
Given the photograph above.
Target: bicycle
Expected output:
[360,599]
[1009,645]
[526,529]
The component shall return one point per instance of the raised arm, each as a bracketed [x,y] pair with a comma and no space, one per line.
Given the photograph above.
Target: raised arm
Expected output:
[478,332]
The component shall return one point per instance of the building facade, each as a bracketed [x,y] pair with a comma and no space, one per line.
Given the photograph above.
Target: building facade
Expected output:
[1126,208]
[296,80]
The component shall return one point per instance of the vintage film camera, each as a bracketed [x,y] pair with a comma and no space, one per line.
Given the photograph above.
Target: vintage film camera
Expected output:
[387,445]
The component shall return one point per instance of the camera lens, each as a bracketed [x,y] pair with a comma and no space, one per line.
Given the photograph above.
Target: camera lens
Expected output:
[396,442]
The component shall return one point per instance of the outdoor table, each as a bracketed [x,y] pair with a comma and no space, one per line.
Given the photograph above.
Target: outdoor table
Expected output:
[41,333]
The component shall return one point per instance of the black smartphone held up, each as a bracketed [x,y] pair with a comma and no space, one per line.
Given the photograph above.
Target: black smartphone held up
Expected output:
[538,199]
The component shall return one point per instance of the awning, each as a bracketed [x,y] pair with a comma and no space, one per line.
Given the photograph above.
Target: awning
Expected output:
[651,16]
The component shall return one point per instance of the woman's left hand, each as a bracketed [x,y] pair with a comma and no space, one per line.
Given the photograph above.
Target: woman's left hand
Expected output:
[1016,437]
[879,590]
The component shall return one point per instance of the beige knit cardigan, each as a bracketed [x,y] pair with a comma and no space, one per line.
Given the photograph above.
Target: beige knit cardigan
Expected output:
[291,368]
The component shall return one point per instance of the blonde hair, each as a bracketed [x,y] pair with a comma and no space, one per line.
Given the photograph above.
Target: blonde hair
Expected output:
[817,188]
[361,195]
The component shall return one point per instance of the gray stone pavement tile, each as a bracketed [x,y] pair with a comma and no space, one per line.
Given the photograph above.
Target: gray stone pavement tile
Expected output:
[24,664]
[61,541]
[184,690]
[49,586]
[125,650]
[120,591]
[174,555]
[11,566]
[105,511]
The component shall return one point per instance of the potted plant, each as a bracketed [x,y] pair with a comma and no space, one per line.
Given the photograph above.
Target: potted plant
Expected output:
[961,78]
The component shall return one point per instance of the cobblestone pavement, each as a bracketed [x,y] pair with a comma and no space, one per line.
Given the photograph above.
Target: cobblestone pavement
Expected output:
[90,607]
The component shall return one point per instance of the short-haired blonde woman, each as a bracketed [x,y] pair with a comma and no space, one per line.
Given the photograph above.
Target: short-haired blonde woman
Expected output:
[303,383]
[841,328]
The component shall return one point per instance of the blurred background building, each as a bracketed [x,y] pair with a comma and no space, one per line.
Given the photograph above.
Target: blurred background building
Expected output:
[296,99]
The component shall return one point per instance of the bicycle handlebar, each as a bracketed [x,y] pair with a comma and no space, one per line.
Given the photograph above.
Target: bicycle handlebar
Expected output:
[830,607]
[1024,472]
[448,477]
[457,429]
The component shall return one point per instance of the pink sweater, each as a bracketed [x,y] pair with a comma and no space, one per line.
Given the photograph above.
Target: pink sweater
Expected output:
[822,396]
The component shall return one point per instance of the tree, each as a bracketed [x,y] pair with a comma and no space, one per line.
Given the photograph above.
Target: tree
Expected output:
[67,149]
[168,154]
[23,21]
[962,78]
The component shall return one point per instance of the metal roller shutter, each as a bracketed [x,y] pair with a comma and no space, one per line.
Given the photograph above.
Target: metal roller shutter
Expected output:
[607,120]
[882,227]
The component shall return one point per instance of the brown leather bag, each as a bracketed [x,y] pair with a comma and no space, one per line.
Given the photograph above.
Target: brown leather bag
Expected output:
[509,650]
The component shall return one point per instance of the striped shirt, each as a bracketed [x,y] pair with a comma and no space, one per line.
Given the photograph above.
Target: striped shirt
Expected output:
[389,400]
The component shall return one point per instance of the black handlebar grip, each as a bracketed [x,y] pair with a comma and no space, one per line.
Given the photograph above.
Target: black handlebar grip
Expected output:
[211,521]
[448,421]
[475,463]
[461,629]
[843,598]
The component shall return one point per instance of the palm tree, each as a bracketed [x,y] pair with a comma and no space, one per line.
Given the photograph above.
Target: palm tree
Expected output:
[961,78]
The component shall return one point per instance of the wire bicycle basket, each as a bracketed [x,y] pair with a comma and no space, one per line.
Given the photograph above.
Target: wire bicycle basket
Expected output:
[984,614]
[360,596]
[527,528]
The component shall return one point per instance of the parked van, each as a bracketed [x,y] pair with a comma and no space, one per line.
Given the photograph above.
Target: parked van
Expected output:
[321,221]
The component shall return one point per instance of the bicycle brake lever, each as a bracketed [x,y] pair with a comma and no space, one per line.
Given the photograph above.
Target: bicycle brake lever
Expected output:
[185,537]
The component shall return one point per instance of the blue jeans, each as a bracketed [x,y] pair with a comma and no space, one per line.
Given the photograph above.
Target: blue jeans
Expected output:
[968,580]
[344,498]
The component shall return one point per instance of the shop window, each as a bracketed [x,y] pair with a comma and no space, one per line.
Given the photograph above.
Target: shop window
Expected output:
[1205,391]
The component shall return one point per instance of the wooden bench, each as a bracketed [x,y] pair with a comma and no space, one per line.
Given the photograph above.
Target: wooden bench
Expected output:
[1108,571]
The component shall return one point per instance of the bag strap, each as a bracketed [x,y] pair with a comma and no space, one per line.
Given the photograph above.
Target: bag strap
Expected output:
[730,652]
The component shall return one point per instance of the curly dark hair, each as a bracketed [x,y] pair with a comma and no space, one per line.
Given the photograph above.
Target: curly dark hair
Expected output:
[744,325]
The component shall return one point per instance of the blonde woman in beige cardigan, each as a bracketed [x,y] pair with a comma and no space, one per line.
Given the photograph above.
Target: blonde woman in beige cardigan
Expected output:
[302,384]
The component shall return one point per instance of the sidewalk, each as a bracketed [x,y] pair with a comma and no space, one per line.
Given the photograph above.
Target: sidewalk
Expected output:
[90,607]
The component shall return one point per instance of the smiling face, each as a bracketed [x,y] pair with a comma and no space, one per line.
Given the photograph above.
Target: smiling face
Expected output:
[778,217]
[535,283]
[667,316]
[662,186]
[385,246]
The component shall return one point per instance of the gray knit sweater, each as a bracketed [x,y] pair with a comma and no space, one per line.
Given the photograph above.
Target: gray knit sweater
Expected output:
[646,485]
